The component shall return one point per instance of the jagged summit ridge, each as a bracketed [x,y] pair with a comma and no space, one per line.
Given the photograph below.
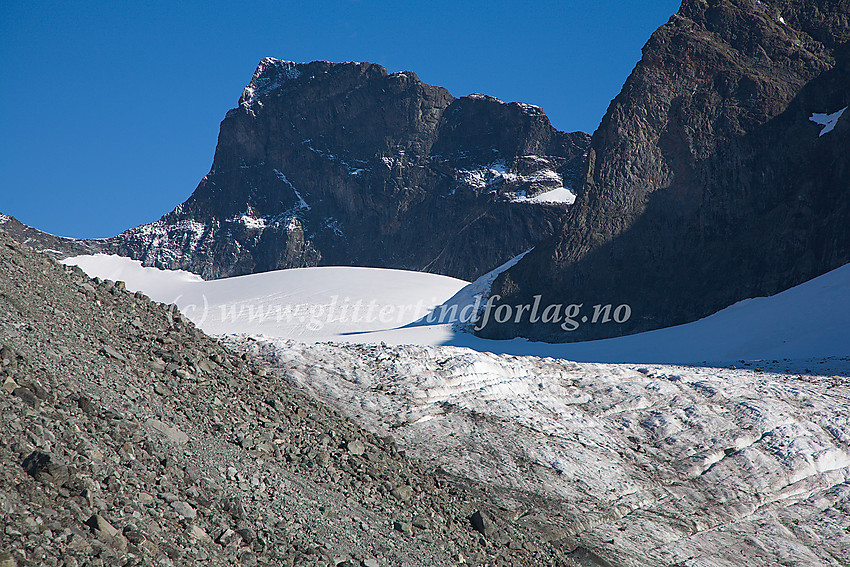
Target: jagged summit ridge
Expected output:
[531,109]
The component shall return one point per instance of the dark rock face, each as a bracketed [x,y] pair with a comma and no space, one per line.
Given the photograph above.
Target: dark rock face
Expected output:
[706,182]
[343,164]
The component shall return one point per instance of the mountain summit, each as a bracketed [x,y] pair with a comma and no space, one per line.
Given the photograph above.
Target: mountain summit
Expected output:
[346,164]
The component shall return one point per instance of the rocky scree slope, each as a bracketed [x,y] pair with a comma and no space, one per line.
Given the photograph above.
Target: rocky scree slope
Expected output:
[707,182]
[345,164]
[129,437]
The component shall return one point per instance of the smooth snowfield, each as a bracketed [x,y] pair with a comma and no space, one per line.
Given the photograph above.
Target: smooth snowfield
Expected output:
[370,305]
[306,304]
[809,321]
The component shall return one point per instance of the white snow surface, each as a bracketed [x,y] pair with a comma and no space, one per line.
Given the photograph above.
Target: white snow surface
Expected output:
[828,121]
[480,96]
[532,109]
[642,465]
[249,220]
[557,195]
[496,175]
[810,321]
[307,304]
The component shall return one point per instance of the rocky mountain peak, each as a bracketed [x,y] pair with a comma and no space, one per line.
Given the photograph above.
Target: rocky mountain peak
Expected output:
[327,163]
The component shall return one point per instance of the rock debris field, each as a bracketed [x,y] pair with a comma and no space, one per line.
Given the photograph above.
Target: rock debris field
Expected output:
[128,437]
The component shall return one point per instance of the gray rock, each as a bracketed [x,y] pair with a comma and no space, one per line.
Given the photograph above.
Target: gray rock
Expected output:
[171,433]
[422,522]
[184,509]
[356,447]
[227,537]
[8,358]
[112,353]
[193,473]
[35,463]
[323,458]
[100,524]
[247,534]
[9,385]
[110,534]
[183,374]
[12,531]
[169,497]
[134,535]
[88,405]
[247,559]
[482,523]
[198,533]
[27,396]
[403,492]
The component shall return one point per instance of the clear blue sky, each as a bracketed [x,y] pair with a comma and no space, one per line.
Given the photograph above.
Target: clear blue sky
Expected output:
[110,112]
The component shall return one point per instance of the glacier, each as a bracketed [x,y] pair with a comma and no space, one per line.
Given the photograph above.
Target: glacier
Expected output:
[717,443]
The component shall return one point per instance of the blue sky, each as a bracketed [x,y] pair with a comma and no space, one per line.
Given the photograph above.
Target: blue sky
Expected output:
[110,112]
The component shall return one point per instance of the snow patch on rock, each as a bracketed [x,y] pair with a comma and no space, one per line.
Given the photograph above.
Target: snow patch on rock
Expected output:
[530,109]
[560,195]
[271,74]
[480,96]
[302,204]
[254,223]
[828,121]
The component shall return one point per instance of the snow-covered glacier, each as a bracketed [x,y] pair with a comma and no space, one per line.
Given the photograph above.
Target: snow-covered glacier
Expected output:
[639,464]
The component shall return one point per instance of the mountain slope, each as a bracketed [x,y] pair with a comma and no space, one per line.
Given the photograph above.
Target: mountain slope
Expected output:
[642,466]
[345,164]
[708,180]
